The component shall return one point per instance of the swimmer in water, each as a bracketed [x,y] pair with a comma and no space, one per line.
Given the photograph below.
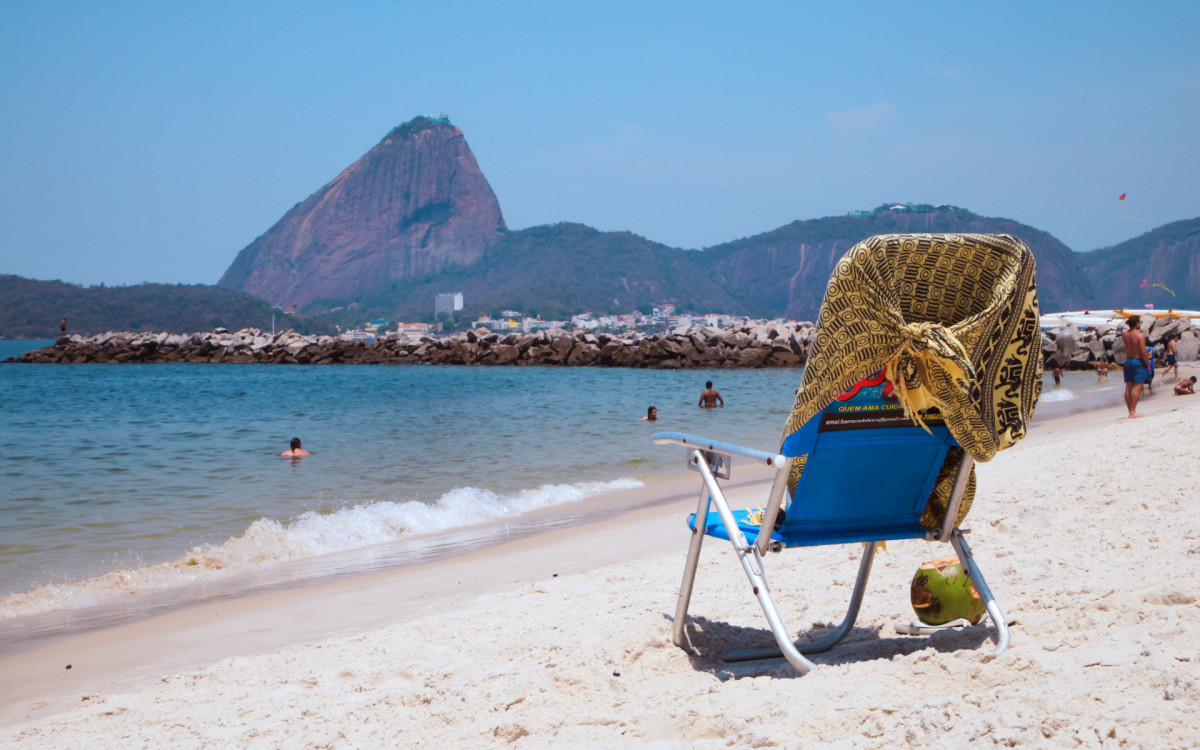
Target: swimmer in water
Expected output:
[295,451]
[710,397]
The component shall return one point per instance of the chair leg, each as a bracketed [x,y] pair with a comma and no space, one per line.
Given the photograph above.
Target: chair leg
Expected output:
[963,550]
[689,568]
[752,565]
[829,641]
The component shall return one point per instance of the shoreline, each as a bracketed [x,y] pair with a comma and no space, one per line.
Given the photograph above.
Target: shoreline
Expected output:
[133,657]
[274,619]
[23,630]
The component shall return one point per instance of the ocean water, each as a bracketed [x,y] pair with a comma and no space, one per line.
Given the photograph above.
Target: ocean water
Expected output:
[122,483]
[128,479]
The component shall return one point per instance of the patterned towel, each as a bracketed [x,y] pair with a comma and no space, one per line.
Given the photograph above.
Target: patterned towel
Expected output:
[953,319]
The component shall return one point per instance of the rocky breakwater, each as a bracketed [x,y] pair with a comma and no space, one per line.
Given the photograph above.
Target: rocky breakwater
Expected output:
[1071,348]
[768,345]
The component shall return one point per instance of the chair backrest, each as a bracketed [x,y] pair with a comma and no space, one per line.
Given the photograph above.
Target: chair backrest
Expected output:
[868,470]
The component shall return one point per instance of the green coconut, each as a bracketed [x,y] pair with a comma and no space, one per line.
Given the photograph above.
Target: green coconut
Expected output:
[942,593]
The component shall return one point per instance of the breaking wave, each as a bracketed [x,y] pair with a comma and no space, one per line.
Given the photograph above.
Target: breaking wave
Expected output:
[266,543]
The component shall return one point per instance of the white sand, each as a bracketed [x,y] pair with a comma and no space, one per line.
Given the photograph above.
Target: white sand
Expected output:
[1087,531]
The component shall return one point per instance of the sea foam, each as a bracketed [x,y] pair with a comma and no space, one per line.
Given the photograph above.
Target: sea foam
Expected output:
[266,543]
[1060,394]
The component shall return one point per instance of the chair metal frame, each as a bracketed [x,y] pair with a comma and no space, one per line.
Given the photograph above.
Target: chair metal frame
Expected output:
[712,459]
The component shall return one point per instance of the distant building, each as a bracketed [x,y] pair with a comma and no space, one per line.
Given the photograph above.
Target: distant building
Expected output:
[585,321]
[537,324]
[447,303]
[413,329]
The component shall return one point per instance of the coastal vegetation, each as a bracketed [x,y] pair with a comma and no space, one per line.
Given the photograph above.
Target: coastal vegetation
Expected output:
[563,269]
[1161,267]
[553,271]
[32,309]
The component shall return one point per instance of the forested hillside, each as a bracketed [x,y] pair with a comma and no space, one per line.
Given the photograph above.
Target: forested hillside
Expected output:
[1160,268]
[32,309]
[556,271]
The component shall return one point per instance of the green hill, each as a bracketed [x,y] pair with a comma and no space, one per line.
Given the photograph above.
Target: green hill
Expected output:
[555,271]
[562,269]
[32,309]
[1168,255]
[783,272]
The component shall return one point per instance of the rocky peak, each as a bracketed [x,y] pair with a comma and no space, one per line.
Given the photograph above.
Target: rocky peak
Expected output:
[414,205]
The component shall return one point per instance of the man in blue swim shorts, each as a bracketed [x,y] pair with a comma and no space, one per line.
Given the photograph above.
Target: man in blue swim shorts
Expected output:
[1136,364]
[1172,358]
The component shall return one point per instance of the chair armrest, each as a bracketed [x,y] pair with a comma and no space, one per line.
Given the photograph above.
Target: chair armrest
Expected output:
[716,446]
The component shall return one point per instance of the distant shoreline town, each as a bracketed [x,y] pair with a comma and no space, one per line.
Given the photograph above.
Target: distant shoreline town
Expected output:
[661,339]
[662,317]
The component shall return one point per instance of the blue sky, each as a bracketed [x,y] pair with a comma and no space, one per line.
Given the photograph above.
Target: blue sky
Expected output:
[153,141]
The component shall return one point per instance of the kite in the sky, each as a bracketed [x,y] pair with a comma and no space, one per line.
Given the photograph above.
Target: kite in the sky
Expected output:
[1146,282]
[1121,210]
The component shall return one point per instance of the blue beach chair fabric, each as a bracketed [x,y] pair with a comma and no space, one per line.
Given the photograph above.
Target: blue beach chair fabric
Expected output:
[900,397]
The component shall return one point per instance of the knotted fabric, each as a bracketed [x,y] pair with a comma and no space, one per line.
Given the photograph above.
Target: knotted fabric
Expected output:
[930,370]
[952,320]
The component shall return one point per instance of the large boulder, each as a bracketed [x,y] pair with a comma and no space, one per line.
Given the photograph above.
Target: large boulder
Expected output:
[1066,343]
[1118,350]
[1189,347]
[1164,327]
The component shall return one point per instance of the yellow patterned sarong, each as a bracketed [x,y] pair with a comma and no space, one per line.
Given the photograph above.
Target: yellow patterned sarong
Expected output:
[953,320]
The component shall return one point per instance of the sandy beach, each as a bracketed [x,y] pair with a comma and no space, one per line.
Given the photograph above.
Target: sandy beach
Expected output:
[1087,532]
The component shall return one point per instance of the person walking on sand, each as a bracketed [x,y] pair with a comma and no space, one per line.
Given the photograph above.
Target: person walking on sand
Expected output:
[1172,358]
[710,397]
[295,451]
[1136,364]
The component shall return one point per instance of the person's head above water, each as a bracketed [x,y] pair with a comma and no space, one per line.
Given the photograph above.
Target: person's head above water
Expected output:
[295,451]
[651,413]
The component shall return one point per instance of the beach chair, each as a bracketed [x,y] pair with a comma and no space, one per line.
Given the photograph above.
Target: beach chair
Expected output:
[926,359]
